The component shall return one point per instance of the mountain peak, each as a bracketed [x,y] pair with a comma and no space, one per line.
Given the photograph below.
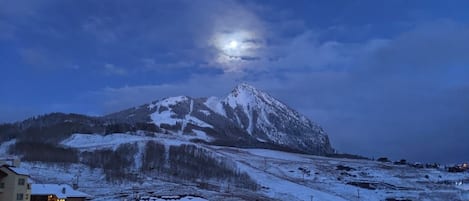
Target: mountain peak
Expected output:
[245,86]
[243,94]
[245,89]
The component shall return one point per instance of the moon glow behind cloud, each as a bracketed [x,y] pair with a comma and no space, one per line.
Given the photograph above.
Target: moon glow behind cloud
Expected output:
[233,48]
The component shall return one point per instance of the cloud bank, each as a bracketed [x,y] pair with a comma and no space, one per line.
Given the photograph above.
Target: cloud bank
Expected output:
[378,90]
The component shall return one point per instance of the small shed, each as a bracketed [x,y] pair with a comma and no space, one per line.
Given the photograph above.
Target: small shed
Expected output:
[56,192]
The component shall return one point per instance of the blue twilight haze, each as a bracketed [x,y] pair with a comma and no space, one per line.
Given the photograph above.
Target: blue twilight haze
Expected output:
[384,78]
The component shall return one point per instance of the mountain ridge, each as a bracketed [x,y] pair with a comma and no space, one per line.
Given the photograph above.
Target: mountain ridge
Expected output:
[246,117]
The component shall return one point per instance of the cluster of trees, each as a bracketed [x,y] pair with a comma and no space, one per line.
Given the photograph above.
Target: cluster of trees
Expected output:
[117,164]
[44,152]
[154,159]
[55,127]
[50,128]
[7,132]
[190,162]
[383,159]
[184,162]
[54,133]
[57,118]
[348,156]
[127,127]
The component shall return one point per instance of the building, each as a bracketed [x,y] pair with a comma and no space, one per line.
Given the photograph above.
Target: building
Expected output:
[459,168]
[14,181]
[55,192]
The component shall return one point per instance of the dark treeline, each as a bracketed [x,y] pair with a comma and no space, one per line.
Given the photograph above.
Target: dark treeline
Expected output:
[184,162]
[117,165]
[55,127]
[190,162]
[154,160]
[127,127]
[44,152]
[8,132]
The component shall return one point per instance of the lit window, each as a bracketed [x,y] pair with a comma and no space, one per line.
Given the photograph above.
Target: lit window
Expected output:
[19,196]
[21,181]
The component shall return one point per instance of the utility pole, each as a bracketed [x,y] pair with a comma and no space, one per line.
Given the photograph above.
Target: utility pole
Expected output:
[358,194]
[75,184]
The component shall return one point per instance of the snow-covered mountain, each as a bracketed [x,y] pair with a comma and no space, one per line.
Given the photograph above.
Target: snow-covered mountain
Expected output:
[169,150]
[269,120]
[245,117]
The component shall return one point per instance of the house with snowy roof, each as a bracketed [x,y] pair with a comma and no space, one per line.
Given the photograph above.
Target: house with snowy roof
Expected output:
[14,181]
[56,192]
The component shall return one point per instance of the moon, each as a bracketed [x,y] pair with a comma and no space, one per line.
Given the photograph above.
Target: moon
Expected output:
[233,44]
[233,47]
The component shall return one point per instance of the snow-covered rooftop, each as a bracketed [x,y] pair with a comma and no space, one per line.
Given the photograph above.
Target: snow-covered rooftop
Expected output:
[18,170]
[62,191]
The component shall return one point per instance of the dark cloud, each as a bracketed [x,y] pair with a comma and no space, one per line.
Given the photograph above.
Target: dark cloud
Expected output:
[380,86]
[430,47]
[114,99]
[402,97]
[397,97]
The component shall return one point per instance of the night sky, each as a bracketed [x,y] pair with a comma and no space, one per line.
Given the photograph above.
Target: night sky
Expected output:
[384,78]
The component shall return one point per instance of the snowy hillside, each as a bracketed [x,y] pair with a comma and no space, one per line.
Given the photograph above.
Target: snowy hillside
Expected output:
[280,175]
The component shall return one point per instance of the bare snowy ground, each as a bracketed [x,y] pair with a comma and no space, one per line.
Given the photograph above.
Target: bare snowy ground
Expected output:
[283,176]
